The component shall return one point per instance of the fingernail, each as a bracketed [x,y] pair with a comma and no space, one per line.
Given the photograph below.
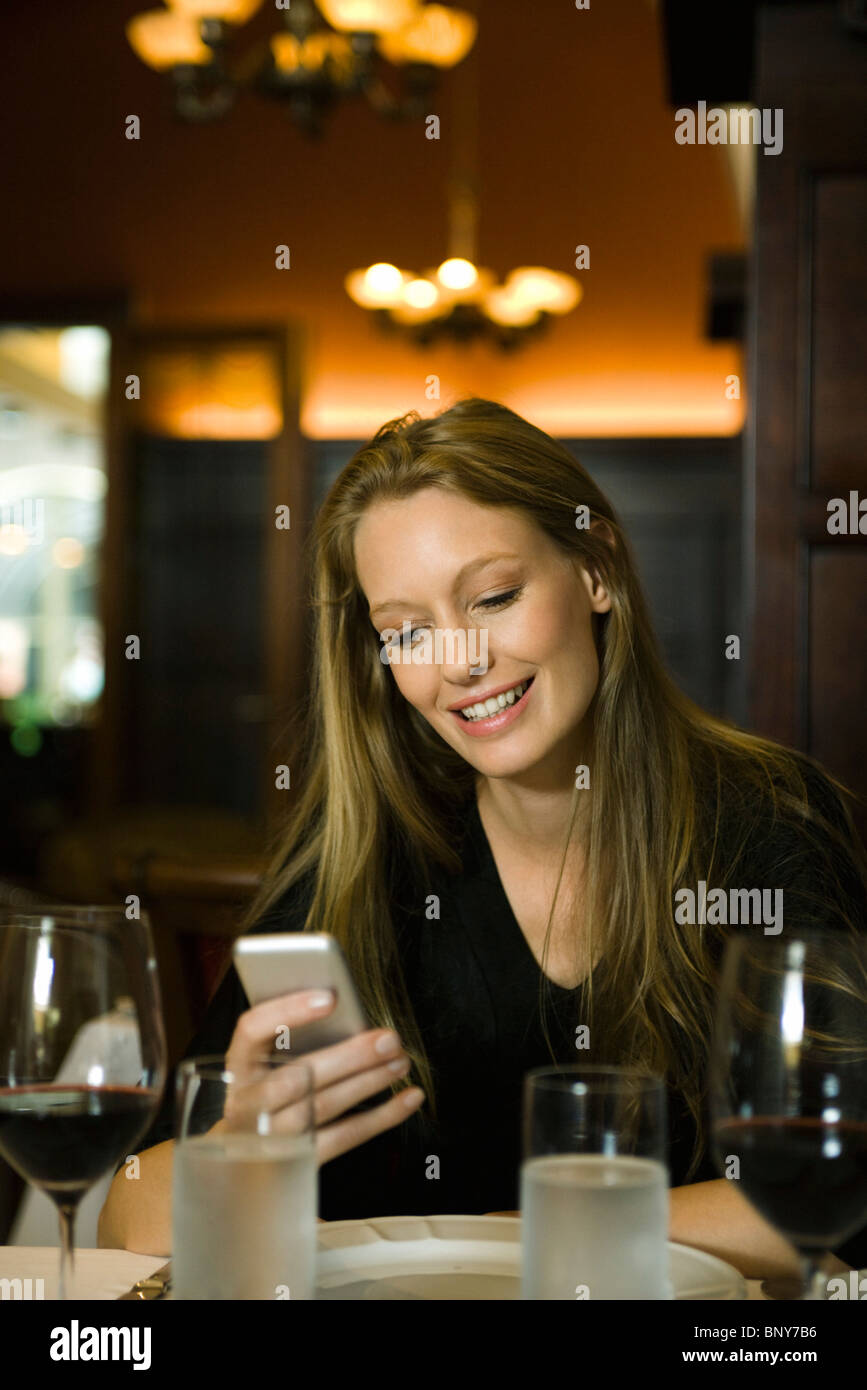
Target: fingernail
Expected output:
[319,1000]
[413,1097]
[390,1042]
[400,1065]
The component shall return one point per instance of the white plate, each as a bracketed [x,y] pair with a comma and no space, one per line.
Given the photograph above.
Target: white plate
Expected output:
[466,1257]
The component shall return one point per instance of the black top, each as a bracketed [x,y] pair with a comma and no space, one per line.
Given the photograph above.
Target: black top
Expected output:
[473,981]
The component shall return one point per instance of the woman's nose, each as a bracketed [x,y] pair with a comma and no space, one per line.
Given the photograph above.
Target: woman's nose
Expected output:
[464,652]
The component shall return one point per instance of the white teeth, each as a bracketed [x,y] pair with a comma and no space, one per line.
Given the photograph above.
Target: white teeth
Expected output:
[493,705]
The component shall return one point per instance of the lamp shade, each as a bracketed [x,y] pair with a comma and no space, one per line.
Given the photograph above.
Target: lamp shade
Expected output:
[461,282]
[504,308]
[368,16]
[420,294]
[380,286]
[162,39]
[230,11]
[421,301]
[540,288]
[457,274]
[437,35]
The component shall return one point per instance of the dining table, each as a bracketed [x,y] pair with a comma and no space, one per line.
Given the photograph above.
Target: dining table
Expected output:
[104,1274]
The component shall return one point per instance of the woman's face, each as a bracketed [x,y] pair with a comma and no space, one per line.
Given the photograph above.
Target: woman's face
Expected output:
[438,561]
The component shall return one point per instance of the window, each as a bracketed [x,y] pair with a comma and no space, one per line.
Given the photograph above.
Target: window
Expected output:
[53,384]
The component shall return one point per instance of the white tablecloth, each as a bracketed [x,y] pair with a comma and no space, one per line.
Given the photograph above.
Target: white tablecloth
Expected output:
[106,1274]
[100,1274]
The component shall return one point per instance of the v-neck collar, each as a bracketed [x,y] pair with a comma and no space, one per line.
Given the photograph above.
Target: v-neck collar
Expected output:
[485,898]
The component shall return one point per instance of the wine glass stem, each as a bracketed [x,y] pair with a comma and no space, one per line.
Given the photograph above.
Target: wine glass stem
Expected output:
[67,1251]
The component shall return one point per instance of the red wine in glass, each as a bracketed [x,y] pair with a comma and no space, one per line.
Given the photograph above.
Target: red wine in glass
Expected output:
[788,1086]
[82,1050]
[62,1138]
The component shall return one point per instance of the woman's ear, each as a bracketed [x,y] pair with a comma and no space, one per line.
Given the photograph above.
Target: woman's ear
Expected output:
[600,599]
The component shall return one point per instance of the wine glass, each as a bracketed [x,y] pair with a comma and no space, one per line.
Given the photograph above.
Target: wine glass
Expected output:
[788,1086]
[82,1049]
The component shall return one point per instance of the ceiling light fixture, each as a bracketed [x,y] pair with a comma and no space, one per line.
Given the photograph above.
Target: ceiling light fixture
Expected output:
[462,301]
[329,51]
[459,298]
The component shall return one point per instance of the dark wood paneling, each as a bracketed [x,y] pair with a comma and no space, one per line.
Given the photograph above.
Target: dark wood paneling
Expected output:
[838,660]
[258,705]
[838,348]
[805,438]
[195,707]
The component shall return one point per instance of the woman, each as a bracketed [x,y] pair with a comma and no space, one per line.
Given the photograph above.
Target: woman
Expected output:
[497,843]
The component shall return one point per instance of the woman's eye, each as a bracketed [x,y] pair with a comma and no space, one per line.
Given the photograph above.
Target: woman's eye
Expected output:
[409,637]
[500,600]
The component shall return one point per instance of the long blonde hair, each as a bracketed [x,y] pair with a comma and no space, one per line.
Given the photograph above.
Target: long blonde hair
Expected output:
[676,794]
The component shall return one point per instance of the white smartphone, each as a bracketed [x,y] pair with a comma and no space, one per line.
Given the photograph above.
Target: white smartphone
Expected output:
[269,966]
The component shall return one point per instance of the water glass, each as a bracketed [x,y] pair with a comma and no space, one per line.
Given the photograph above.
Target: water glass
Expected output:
[245,1186]
[594,1185]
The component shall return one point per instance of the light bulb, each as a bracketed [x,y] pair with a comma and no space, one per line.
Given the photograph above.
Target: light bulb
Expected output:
[230,11]
[377,287]
[540,288]
[502,306]
[457,273]
[368,16]
[420,294]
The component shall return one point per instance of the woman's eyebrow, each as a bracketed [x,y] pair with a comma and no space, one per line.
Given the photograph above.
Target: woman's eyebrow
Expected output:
[469,568]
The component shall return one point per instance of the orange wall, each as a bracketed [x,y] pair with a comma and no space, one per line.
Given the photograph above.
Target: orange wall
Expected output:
[576,145]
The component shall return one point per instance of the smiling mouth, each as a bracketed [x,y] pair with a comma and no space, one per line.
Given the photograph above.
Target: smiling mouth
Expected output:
[485,709]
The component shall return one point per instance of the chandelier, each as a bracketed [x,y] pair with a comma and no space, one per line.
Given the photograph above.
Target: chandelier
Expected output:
[460,299]
[326,52]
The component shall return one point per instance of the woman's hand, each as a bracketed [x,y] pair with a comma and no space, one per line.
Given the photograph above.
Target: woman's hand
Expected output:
[343,1074]
[138,1215]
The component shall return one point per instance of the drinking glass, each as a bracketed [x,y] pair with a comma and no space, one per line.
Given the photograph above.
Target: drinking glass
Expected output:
[788,1086]
[82,1050]
[245,1185]
[594,1185]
